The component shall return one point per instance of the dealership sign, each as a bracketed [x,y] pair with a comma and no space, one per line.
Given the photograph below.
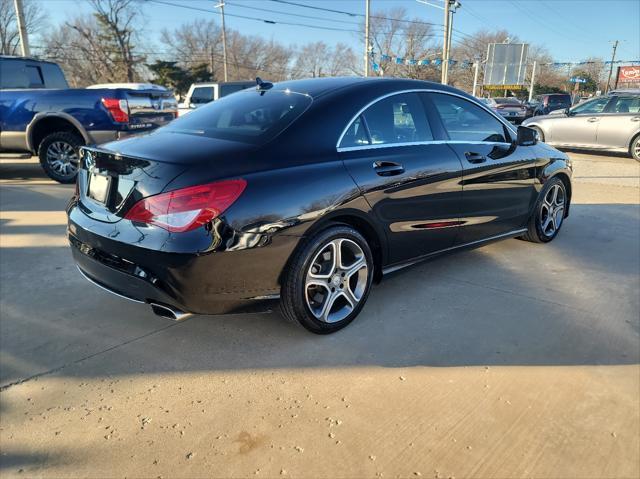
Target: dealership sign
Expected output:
[629,74]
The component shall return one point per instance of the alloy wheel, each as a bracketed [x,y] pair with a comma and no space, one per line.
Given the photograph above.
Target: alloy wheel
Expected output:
[62,158]
[636,149]
[552,210]
[336,280]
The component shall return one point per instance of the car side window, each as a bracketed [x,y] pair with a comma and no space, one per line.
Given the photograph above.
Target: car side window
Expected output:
[592,106]
[202,95]
[464,121]
[626,104]
[356,135]
[398,119]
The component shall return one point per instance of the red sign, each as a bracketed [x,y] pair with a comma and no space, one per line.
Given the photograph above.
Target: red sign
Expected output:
[629,74]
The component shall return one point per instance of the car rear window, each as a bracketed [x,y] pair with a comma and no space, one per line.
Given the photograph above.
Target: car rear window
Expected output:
[507,101]
[563,100]
[249,116]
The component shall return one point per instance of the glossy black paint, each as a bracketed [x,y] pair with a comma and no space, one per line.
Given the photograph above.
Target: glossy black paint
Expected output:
[296,185]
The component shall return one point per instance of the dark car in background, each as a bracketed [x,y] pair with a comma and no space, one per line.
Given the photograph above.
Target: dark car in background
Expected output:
[41,115]
[511,108]
[307,191]
[547,103]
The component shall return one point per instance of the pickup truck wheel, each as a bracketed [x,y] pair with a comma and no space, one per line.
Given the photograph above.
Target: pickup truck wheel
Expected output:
[59,156]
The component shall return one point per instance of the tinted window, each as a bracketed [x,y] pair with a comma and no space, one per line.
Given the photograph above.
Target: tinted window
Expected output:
[34,76]
[356,135]
[53,76]
[591,106]
[229,89]
[465,121]
[12,74]
[507,101]
[203,94]
[398,119]
[249,116]
[625,104]
[560,101]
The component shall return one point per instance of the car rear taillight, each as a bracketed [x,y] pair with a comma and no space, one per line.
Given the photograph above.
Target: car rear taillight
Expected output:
[187,208]
[119,109]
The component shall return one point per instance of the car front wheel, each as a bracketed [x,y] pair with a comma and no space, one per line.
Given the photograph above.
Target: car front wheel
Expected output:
[548,215]
[328,280]
[635,148]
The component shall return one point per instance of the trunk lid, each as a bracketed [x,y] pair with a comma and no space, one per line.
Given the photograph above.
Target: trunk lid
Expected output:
[115,176]
[150,108]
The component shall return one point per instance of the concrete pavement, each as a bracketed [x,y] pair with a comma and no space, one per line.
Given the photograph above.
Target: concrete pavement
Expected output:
[513,360]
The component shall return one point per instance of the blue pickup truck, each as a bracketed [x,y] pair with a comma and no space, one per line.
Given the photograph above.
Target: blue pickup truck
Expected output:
[41,115]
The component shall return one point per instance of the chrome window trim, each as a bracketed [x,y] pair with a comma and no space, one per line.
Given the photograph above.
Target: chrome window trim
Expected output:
[426,142]
[412,143]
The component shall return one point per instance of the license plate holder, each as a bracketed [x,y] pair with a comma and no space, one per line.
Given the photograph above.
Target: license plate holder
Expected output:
[99,186]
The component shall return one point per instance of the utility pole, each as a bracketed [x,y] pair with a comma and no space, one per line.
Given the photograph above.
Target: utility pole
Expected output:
[450,7]
[22,29]
[367,5]
[445,43]
[211,61]
[224,41]
[533,79]
[613,59]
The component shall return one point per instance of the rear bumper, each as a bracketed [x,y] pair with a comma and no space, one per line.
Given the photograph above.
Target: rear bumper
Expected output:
[129,281]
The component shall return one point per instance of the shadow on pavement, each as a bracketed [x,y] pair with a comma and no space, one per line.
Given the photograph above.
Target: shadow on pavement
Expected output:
[571,302]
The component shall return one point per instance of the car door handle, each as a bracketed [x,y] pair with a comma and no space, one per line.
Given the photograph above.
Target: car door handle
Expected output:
[593,119]
[635,118]
[475,157]
[388,168]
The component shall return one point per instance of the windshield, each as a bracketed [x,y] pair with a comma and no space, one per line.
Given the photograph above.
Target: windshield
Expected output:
[249,116]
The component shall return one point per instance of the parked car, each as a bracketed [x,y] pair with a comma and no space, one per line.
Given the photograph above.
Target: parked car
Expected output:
[308,191]
[511,108]
[607,123]
[202,93]
[41,115]
[552,102]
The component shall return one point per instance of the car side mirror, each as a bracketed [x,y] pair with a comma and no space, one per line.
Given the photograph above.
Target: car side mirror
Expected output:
[567,111]
[526,136]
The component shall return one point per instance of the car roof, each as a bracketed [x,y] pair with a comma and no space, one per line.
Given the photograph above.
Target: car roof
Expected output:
[630,91]
[316,87]
[28,59]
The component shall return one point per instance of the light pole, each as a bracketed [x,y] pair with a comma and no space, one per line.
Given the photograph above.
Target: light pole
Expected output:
[224,42]
[451,7]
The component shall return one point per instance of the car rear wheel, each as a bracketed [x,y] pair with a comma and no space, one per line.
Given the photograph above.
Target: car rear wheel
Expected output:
[59,156]
[548,216]
[328,280]
[635,148]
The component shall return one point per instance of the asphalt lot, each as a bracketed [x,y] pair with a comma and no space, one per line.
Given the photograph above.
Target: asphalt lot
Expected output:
[512,360]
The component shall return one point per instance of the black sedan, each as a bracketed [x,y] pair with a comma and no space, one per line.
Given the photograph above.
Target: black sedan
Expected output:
[307,191]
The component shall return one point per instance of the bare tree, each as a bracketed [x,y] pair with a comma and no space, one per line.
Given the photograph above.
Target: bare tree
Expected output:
[100,47]
[394,35]
[35,21]
[247,56]
[318,59]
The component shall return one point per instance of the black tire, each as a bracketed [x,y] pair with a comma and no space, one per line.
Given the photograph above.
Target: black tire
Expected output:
[634,149]
[295,298]
[538,228]
[59,154]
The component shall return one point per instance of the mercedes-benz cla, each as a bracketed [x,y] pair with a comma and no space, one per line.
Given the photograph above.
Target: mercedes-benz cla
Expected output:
[307,191]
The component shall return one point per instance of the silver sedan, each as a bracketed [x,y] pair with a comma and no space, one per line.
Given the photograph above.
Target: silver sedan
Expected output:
[606,123]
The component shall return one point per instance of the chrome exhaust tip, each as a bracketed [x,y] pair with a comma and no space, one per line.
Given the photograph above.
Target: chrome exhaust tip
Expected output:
[168,312]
